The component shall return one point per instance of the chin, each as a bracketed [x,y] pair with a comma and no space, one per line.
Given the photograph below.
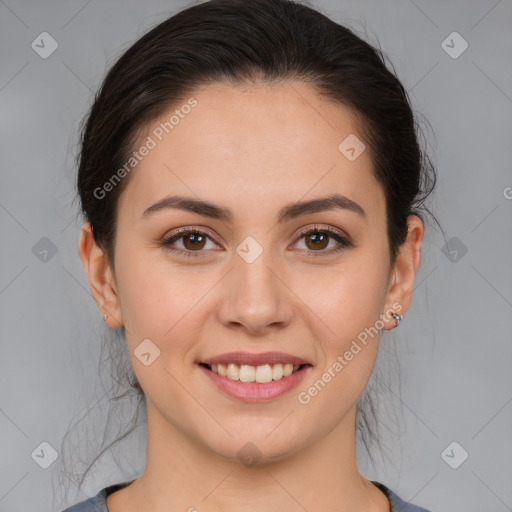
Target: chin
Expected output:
[259,446]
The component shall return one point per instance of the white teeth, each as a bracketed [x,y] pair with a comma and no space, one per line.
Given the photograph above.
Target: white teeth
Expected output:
[288,369]
[263,373]
[277,372]
[260,374]
[247,373]
[233,372]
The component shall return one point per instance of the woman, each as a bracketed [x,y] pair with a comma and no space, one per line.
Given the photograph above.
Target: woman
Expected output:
[251,180]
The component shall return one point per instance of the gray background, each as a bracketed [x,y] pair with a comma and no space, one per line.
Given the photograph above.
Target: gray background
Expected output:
[454,344]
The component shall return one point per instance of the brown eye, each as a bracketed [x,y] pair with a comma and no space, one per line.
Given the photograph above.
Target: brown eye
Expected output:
[188,242]
[317,241]
[194,241]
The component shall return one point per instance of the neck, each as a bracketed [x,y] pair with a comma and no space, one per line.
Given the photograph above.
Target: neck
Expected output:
[188,475]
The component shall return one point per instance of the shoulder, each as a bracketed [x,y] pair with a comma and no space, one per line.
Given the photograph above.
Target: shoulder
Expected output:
[97,503]
[397,503]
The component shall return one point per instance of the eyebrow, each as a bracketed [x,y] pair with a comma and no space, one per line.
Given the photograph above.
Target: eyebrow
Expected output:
[288,212]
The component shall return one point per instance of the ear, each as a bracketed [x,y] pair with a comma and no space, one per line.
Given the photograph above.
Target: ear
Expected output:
[404,270]
[100,276]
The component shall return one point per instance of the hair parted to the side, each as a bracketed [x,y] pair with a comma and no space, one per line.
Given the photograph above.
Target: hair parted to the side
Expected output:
[240,42]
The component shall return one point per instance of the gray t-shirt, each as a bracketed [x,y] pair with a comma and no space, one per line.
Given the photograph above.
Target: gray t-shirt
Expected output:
[98,503]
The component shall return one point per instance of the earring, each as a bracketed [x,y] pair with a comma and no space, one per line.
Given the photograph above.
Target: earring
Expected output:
[397,318]
[105,316]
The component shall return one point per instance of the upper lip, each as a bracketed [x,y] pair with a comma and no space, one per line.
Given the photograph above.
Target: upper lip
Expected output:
[250,359]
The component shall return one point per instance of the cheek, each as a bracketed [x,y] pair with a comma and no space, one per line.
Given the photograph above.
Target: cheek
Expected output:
[152,300]
[344,307]
[167,304]
[349,307]
[344,299]
[160,306]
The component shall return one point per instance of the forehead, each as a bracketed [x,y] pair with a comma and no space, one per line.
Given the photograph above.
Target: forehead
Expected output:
[251,146]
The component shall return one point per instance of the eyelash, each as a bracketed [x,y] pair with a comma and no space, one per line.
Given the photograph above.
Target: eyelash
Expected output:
[344,242]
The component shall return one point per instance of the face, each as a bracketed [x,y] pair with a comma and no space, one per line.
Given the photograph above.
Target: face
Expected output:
[254,279]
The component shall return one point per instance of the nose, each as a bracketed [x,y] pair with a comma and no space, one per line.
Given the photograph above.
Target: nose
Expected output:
[256,299]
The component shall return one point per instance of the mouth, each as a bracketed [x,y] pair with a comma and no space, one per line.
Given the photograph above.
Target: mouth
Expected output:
[249,373]
[255,377]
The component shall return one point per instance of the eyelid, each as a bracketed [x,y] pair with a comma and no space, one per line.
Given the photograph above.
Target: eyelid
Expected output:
[343,240]
[175,235]
[320,228]
[188,229]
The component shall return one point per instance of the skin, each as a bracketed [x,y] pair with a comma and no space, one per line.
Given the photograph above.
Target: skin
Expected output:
[197,307]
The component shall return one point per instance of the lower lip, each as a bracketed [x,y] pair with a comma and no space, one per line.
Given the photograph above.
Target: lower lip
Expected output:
[255,391]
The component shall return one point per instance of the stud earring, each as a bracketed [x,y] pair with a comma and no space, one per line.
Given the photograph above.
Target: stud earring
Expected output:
[397,317]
